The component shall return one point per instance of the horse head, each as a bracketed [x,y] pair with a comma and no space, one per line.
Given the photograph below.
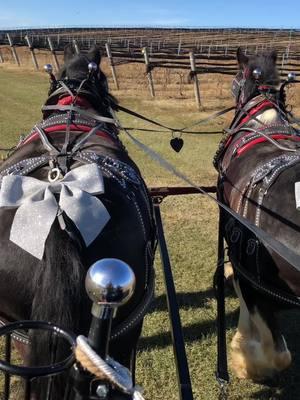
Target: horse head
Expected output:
[256,73]
[81,77]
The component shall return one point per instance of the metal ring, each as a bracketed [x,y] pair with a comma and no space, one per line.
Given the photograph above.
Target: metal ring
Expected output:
[47,370]
[176,134]
[54,175]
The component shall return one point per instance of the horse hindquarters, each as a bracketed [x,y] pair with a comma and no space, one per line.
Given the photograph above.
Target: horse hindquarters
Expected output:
[58,287]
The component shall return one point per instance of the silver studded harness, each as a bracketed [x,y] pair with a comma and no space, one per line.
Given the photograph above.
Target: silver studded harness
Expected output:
[123,174]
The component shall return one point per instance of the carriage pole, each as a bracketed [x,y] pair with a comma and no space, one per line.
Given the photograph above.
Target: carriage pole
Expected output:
[182,369]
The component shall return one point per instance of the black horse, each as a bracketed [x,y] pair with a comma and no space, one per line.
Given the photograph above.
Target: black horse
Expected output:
[259,163]
[48,284]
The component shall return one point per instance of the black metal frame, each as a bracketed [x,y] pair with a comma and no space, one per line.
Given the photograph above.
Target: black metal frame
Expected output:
[30,373]
[182,368]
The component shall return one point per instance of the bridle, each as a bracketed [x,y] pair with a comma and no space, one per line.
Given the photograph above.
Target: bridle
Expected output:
[260,88]
[74,89]
[237,88]
[89,87]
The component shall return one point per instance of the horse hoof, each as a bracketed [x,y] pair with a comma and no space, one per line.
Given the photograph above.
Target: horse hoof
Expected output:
[283,360]
[250,361]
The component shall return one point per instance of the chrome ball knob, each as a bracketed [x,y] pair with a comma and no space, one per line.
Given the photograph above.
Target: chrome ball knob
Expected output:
[257,73]
[110,282]
[92,67]
[291,76]
[48,68]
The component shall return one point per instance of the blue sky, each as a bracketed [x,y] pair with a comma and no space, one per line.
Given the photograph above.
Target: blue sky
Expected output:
[169,13]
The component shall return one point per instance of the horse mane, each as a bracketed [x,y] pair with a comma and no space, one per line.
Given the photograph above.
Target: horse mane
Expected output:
[75,69]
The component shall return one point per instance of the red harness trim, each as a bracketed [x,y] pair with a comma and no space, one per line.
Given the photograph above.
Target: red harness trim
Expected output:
[58,128]
[255,110]
[237,151]
[65,101]
[254,142]
[80,101]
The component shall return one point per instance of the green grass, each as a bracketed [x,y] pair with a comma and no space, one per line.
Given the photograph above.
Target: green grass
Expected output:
[190,224]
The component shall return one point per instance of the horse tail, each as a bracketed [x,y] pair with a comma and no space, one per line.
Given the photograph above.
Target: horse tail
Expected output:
[58,287]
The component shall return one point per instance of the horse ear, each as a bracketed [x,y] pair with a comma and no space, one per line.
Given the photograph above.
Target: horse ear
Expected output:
[69,53]
[242,59]
[273,55]
[94,55]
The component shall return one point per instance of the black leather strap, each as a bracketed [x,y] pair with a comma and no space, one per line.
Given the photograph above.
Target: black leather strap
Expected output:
[222,367]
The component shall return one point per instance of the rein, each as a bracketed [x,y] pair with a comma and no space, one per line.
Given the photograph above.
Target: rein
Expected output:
[81,111]
[180,130]
[287,254]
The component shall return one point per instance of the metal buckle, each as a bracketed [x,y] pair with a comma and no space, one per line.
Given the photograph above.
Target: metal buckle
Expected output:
[251,247]
[235,235]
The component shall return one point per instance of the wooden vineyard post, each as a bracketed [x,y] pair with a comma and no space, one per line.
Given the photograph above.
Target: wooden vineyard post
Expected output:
[283,62]
[112,65]
[1,57]
[34,60]
[195,79]
[76,46]
[179,48]
[53,53]
[148,71]
[13,49]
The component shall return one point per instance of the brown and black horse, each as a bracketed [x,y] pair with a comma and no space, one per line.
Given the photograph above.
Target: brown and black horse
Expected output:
[51,286]
[259,163]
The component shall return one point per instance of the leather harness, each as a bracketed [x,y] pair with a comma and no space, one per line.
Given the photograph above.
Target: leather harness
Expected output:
[112,168]
[237,142]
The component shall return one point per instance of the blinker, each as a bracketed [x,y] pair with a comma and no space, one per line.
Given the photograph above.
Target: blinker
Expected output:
[291,76]
[92,67]
[49,69]
[257,73]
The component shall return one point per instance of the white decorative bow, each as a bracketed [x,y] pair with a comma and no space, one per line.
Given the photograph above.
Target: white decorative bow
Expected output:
[38,207]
